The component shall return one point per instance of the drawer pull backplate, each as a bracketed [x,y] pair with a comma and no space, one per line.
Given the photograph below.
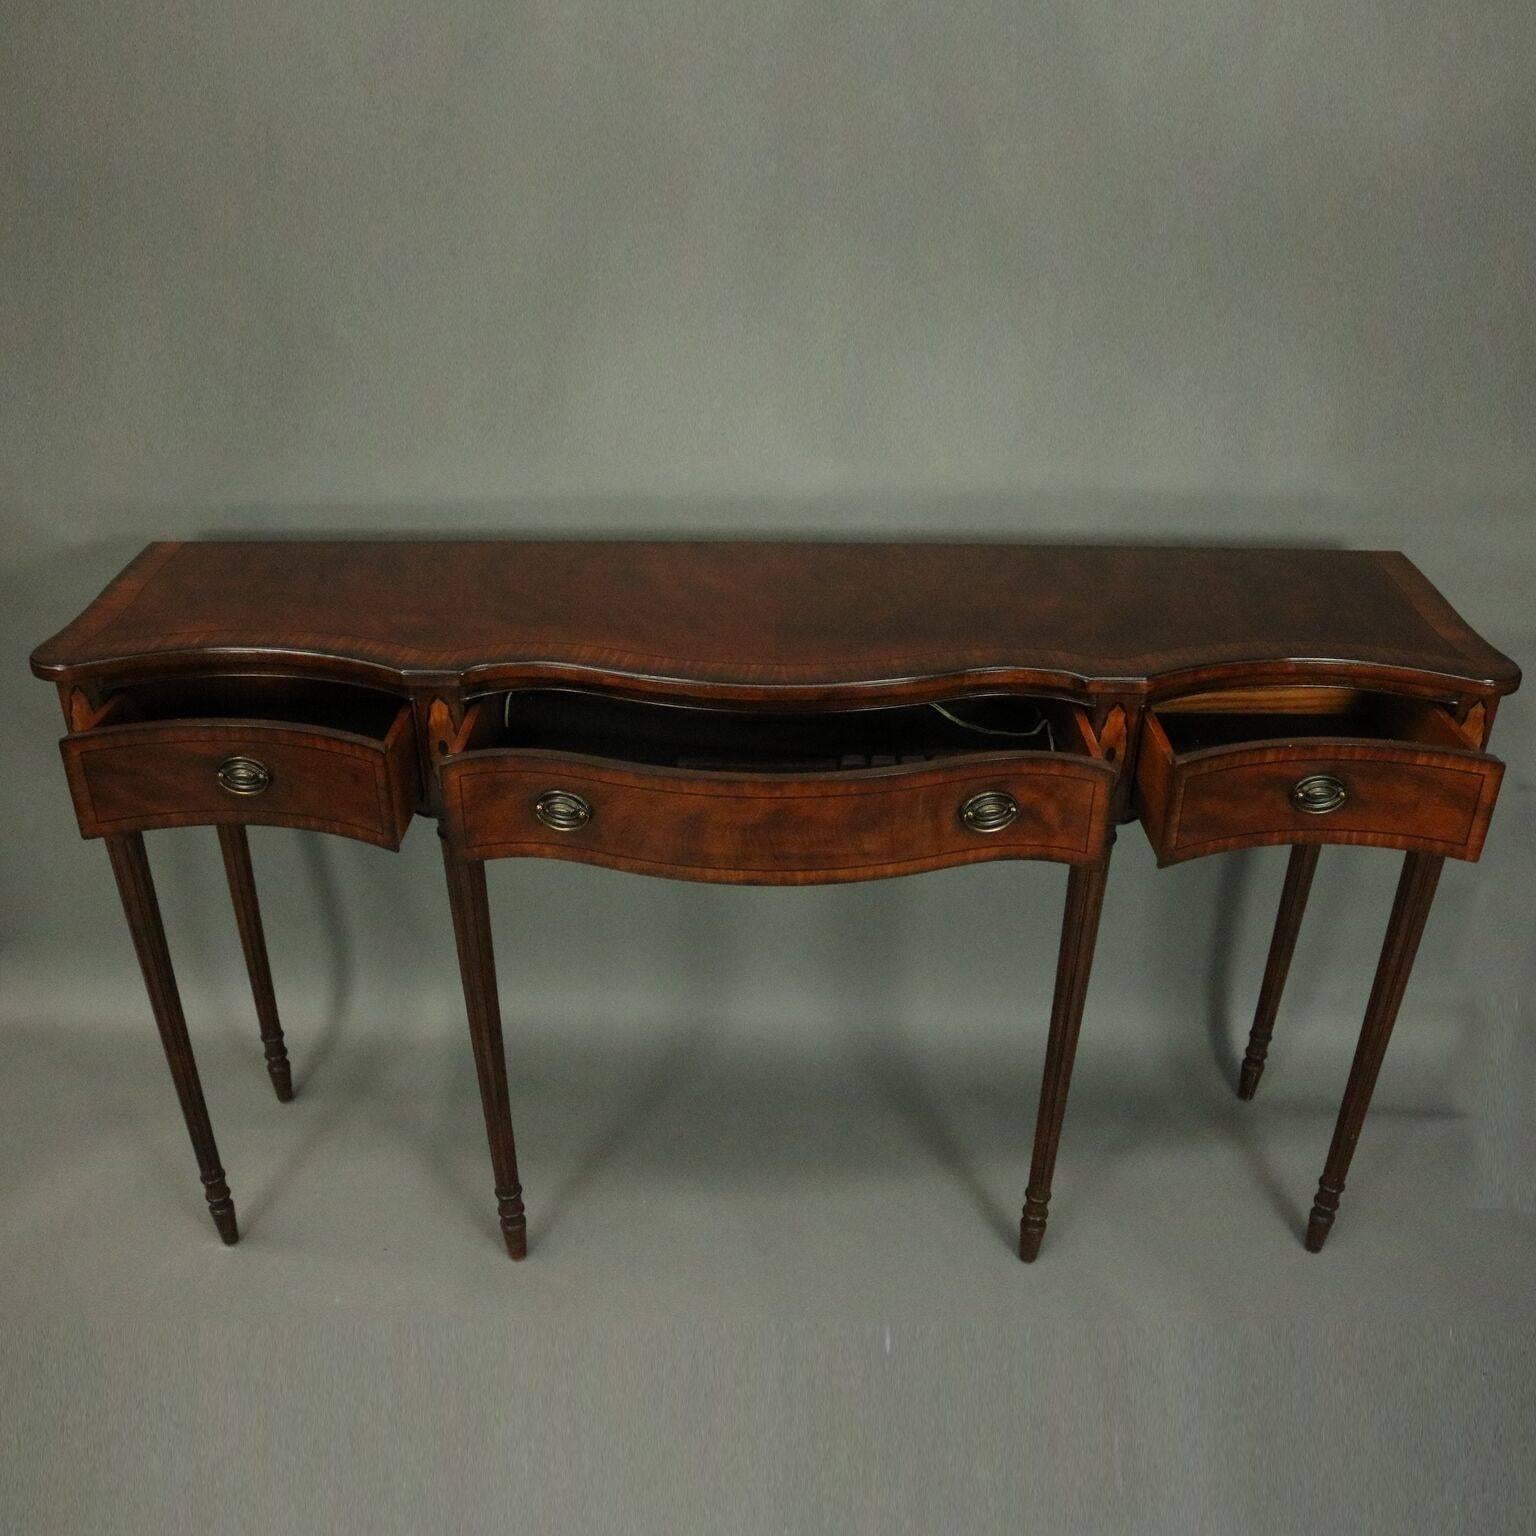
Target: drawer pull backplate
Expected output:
[990,811]
[1319,793]
[562,810]
[244,776]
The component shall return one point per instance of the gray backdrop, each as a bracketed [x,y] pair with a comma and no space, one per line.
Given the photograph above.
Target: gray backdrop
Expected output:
[1209,270]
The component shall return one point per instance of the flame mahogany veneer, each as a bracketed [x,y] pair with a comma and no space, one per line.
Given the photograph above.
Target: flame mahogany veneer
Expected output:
[780,713]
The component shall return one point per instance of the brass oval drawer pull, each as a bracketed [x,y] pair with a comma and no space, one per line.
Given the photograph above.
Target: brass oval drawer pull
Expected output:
[989,811]
[562,810]
[1319,793]
[244,776]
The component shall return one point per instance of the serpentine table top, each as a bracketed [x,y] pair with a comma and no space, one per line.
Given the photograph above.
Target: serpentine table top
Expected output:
[759,620]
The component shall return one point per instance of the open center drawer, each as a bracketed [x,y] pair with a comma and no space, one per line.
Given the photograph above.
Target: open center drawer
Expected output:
[325,757]
[1311,765]
[769,798]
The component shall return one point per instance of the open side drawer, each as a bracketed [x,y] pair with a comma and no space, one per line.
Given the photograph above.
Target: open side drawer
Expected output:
[1311,765]
[328,758]
[775,798]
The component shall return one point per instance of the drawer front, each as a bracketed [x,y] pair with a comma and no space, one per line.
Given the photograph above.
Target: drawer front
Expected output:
[775,829]
[133,778]
[1378,795]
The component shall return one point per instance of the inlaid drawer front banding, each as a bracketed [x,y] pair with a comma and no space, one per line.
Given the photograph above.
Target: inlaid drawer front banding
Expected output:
[930,800]
[742,830]
[141,771]
[1386,773]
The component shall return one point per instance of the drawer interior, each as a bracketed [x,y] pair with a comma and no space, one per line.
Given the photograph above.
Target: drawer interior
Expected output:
[690,736]
[289,701]
[1301,714]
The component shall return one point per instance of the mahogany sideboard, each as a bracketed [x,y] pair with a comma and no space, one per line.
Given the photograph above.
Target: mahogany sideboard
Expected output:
[782,714]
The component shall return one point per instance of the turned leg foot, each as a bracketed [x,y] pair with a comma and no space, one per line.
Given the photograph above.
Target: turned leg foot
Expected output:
[221,1207]
[514,1224]
[281,1074]
[1320,1222]
[236,849]
[1032,1229]
[1293,903]
[1079,929]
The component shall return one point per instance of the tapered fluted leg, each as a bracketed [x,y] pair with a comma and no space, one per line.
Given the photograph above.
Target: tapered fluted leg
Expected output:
[1079,929]
[1415,890]
[1293,903]
[242,890]
[477,968]
[131,866]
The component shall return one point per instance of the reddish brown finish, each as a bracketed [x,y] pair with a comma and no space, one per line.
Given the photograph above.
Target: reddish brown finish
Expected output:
[1410,911]
[130,778]
[1423,799]
[776,829]
[236,849]
[1293,903]
[755,620]
[131,867]
[477,968]
[278,632]
[1079,931]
